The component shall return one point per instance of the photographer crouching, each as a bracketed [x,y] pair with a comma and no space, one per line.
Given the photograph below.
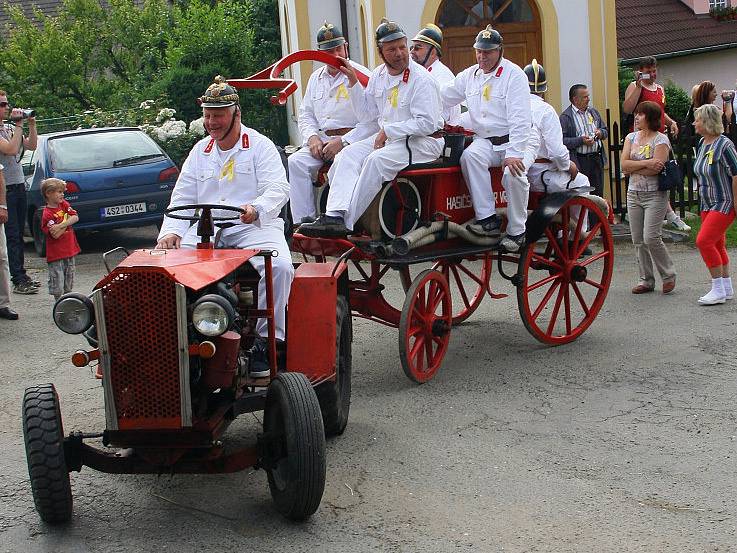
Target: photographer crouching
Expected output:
[12,145]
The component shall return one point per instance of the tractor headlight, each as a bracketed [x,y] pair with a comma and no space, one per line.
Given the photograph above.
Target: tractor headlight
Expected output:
[212,315]
[74,313]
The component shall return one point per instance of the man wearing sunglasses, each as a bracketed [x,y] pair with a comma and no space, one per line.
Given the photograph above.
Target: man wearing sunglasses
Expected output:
[12,145]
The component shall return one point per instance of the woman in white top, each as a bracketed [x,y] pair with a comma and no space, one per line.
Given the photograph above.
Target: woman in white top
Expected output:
[643,157]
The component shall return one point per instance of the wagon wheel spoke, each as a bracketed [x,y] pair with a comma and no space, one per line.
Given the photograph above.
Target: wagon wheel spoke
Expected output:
[597,257]
[582,216]
[543,282]
[416,348]
[581,299]
[429,353]
[567,307]
[598,285]
[553,242]
[438,340]
[437,298]
[592,233]
[415,331]
[461,288]
[556,310]
[545,300]
[545,261]
[471,274]
[565,214]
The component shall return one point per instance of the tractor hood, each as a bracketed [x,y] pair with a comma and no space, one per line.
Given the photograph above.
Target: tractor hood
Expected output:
[192,268]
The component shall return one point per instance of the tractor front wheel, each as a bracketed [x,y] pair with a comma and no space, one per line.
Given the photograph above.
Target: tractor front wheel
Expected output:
[43,434]
[294,440]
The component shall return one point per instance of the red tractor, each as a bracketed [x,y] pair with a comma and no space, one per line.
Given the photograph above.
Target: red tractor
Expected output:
[170,332]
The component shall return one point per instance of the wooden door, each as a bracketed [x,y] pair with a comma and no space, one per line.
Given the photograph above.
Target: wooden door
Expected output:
[518,22]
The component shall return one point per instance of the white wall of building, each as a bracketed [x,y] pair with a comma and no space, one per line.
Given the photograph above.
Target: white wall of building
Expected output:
[407,15]
[575,50]
[719,67]
[320,11]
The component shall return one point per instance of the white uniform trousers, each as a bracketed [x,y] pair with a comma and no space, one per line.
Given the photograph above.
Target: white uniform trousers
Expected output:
[556,181]
[302,173]
[265,238]
[475,163]
[359,171]
[4,270]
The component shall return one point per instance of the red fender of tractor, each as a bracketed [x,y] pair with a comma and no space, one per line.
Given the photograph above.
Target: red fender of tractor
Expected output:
[311,319]
[270,77]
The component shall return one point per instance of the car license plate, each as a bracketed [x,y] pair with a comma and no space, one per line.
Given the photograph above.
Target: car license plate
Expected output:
[118,210]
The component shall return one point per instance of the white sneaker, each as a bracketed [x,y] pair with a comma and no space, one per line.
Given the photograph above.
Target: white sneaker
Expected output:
[680,224]
[712,298]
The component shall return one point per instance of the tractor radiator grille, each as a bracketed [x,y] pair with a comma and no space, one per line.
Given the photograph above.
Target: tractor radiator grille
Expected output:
[141,320]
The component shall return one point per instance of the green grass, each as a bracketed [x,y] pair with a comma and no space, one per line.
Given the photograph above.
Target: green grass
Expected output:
[695,224]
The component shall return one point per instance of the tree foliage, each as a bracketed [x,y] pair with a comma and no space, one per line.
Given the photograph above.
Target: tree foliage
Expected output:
[115,55]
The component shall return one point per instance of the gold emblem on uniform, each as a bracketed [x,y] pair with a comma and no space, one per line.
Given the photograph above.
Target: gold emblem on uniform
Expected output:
[328,34]
[391,27]
[486,34]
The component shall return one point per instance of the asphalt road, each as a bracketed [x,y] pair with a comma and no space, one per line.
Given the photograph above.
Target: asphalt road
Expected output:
[622,441]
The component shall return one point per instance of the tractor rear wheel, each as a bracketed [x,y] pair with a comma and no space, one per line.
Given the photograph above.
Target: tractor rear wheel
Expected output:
[43,434]
[335,396]
[294,453]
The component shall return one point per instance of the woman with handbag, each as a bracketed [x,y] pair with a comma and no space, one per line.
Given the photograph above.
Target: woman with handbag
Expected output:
[716,168]
[644,155]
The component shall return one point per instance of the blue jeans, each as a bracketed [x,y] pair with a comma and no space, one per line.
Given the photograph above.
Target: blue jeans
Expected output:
[17,206]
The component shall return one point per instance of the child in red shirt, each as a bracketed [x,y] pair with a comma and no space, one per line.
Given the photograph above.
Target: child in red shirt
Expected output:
[61,243]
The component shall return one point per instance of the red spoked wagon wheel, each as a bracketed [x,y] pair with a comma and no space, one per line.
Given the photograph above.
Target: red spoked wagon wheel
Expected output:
[562,284]
[468,281]
[424,327]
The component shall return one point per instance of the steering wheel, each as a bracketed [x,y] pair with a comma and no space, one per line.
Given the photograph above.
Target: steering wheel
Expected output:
[205,221]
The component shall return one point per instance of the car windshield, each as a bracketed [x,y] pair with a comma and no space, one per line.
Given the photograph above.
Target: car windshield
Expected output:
[102,150]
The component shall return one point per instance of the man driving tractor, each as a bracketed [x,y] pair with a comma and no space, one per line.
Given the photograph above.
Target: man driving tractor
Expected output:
[237,166]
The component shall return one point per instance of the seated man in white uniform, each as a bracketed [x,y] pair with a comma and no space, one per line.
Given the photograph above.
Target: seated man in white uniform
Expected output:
[498,100]
[553,169]
[326,123]
[237,166]
[402,103]
[427,49]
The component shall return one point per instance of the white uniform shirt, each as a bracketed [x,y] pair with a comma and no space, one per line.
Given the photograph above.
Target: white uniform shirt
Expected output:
[546,125]
[327,105]
[498,103]
[403,105]
[443,75]
[249,173]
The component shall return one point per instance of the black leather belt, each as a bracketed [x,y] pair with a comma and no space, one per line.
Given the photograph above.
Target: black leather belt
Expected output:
[498,140]
[588,155]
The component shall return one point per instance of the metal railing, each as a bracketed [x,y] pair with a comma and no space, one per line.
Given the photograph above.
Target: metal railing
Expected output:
[682,199]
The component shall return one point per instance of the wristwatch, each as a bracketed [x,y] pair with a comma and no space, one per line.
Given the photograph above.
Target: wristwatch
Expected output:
[344,142]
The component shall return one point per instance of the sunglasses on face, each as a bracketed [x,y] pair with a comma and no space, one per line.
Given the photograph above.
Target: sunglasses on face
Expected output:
[4,104]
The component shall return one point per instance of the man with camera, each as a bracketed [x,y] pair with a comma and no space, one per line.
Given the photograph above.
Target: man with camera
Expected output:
[12,145]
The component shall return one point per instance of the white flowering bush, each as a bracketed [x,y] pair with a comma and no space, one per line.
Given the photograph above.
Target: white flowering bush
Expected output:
[172,134]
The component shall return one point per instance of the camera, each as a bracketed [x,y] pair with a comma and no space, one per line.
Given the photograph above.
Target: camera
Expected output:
[728,95]
[25,114]
[643,76]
